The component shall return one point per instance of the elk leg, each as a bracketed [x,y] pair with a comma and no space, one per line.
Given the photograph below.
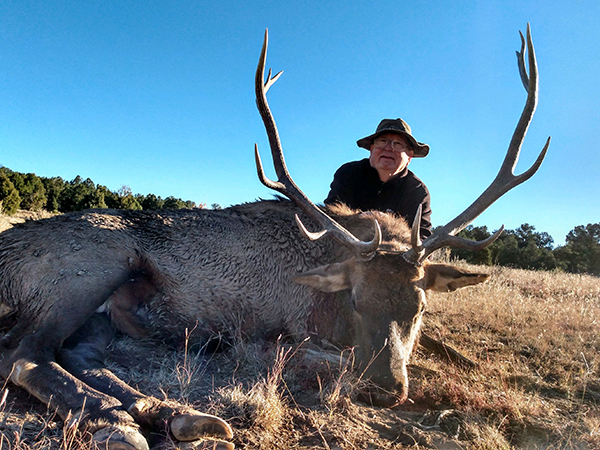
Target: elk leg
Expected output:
[83,356]
[126,304]
[31,366]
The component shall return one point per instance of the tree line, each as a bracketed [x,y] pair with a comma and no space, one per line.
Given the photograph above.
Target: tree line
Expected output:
[523,247]
[33,193]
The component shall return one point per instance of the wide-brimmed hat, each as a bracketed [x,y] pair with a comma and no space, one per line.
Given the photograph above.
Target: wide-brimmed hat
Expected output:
[398,126]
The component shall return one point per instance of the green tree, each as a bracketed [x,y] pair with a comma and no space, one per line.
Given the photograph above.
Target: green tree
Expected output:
[526,233]
[126,199]
[472,233]
[151,202]
[9,196]
[92,200]
[16,178]
[140,199]
[524,248]
[173,203]
[505,251]
[54,187]
[581,253]
[80,194]
[111,198]
[521,248]
[130,202]
[32,192]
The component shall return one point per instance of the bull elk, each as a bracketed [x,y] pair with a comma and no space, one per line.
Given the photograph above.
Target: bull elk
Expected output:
[70,280]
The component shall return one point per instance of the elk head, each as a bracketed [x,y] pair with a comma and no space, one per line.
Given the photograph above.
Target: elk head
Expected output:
[387,288]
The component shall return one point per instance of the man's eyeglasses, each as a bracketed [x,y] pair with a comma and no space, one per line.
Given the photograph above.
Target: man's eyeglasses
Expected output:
[398,146]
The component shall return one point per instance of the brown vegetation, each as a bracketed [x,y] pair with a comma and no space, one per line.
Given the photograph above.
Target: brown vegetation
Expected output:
[532,334]
[21,216]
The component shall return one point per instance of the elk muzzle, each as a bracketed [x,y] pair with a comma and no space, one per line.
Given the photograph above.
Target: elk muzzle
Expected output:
[385,369]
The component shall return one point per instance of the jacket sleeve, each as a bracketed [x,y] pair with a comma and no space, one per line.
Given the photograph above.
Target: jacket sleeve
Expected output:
[418,196]
[426,216]
[342,187]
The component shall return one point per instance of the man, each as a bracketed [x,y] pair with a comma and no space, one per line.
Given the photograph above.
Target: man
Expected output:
[383,182]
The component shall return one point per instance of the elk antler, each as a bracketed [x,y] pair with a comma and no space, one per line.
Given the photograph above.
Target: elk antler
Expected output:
[504,181]
[286,185]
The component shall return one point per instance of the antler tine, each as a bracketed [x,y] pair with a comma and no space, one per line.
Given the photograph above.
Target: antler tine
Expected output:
[286,185]
[415,235]
[504,181]
[261,173]
[521,63]
[512,155]
[449,240]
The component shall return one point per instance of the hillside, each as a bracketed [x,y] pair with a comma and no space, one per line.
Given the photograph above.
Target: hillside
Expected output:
[21,216]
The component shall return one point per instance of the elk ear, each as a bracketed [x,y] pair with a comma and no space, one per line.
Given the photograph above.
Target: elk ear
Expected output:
[329,278]
[444,278]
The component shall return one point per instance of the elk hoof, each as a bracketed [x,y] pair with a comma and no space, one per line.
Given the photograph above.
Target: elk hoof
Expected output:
[206,445]
[112,438]
[194,426]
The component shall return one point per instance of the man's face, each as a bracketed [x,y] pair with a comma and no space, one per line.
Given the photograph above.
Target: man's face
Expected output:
[390,154]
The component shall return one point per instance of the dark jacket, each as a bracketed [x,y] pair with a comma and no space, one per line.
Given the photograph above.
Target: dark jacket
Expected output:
[358,185]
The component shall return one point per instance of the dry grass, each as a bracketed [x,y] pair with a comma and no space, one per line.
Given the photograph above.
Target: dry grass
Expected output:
[21,216]
[534,336]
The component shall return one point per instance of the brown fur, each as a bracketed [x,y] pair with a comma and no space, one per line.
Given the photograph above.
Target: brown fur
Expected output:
[245,269]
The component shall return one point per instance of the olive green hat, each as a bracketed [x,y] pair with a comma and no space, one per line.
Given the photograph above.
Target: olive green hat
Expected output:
[398,126]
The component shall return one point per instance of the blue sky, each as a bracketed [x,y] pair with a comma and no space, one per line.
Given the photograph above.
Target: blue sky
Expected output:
[158,96]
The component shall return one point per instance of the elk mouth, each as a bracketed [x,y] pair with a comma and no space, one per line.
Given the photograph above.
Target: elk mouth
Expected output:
[374,395]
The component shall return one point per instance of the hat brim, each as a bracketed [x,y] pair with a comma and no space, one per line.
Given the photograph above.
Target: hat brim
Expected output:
[420,149]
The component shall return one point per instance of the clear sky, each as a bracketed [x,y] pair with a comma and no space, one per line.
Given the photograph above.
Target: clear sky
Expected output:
[158,96]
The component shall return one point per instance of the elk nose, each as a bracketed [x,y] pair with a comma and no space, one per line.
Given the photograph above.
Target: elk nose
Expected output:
[376,396]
